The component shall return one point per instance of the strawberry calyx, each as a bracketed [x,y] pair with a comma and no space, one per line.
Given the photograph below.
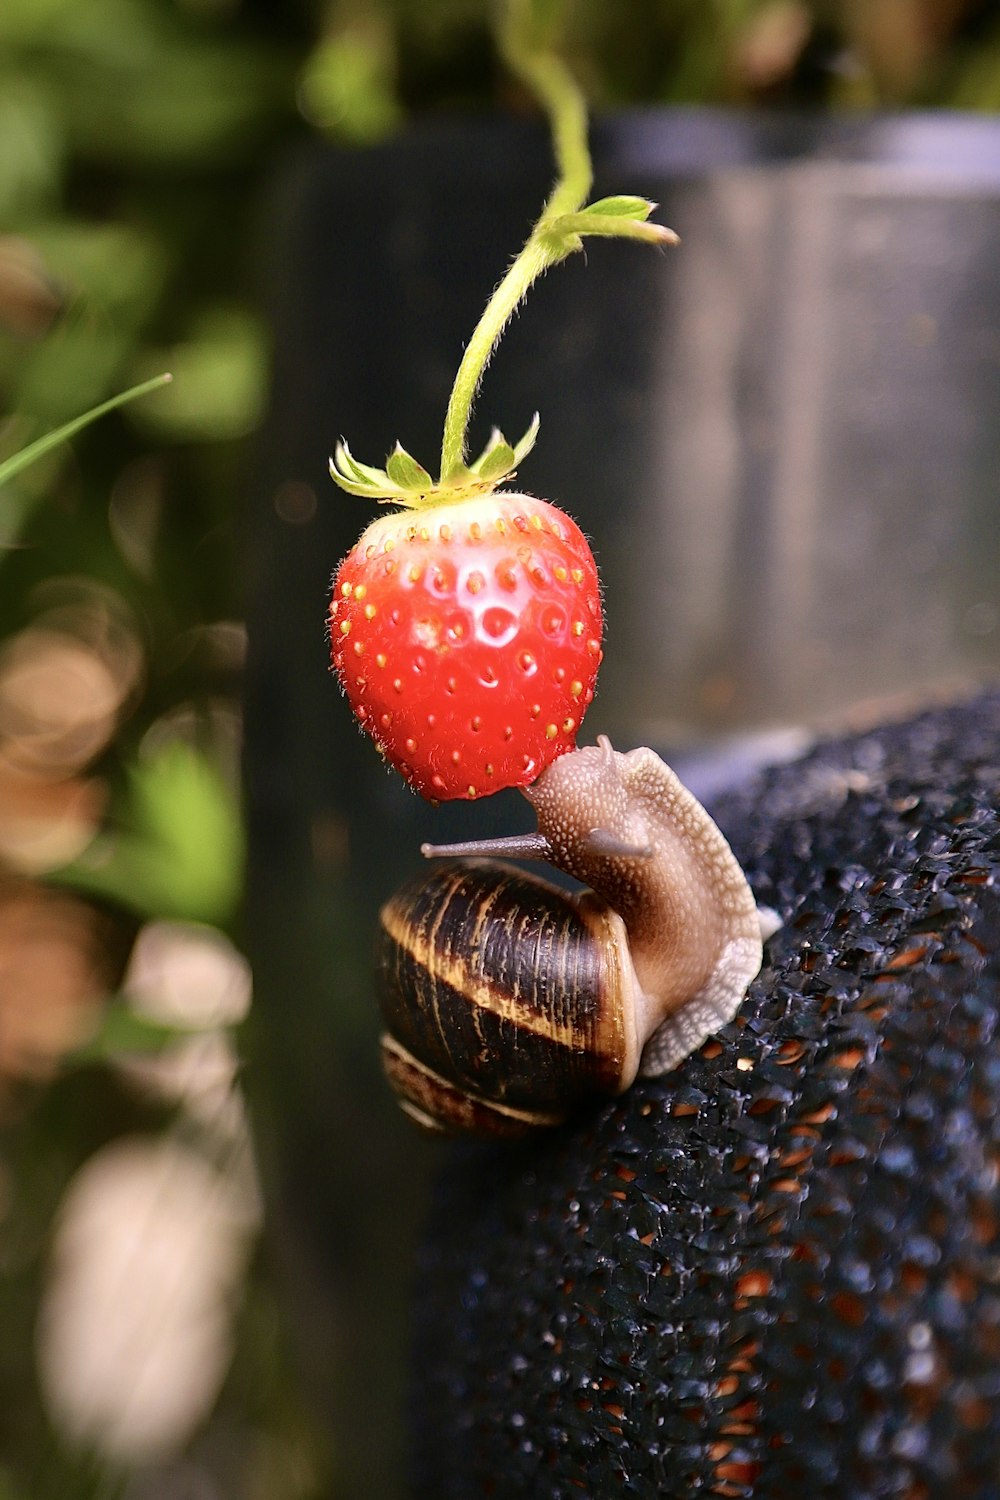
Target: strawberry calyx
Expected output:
[406,482]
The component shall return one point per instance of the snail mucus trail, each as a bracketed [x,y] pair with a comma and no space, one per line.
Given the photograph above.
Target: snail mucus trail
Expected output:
[510,1003]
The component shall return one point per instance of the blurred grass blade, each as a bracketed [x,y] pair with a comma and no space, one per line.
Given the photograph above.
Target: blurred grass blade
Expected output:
[19,461]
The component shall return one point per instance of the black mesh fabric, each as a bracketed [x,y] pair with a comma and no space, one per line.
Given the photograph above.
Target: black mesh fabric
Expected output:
[775,1272]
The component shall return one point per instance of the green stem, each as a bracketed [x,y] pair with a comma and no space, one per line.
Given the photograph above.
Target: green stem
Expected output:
[533,260]
[555,87]
[552,82]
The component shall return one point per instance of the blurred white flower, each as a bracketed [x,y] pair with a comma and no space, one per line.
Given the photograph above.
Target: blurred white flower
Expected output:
[134,1330]
[200,1073]
[183,974]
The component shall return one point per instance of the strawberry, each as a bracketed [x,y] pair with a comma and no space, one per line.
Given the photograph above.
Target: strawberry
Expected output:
[466,631]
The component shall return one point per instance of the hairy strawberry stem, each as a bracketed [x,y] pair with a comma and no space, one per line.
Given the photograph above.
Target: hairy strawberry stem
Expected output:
[564,221]
[560,227]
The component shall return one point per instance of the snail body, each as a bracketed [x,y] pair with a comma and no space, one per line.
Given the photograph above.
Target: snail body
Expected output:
[510,1003]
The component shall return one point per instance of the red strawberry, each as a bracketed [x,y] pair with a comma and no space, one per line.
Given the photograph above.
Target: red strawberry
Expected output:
[467,637]
[467,632]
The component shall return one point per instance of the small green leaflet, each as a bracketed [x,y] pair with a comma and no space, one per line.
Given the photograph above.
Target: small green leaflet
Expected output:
[403,469]
[524,447]
[621,206]
[497,461]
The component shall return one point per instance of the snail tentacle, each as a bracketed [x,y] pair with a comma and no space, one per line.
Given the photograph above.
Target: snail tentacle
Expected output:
[513,846]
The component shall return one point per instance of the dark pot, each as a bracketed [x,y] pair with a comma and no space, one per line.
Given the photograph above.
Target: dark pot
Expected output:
[782,440]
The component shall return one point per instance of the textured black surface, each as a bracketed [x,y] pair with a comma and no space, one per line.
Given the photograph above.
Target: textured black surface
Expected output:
[777,1271]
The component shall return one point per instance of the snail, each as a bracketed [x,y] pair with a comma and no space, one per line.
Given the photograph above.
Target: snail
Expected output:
[510,1002]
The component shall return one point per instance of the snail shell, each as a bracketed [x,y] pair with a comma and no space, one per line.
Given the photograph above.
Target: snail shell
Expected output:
[510,1003]
[503,997]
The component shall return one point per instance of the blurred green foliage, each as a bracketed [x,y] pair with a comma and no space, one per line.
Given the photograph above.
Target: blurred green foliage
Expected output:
[378,59]
[134,138]
[178,848]
[137,138]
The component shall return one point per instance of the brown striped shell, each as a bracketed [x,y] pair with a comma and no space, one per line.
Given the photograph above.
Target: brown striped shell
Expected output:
[506,1000]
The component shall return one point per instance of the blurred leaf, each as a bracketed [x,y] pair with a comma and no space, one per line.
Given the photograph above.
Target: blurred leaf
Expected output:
[348,86]
[75,366]
[220,380]
[552,16]
[15,508]
[115,34]
[31,148]
[977,78]
[115,264]
[180,851]
[30,20]
[138,83]
[29,300]
[123,1031]
[111,276]
[540,23]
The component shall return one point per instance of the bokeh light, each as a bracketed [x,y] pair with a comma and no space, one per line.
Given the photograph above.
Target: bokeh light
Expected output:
[56,970]
[134,1334]
[186,975]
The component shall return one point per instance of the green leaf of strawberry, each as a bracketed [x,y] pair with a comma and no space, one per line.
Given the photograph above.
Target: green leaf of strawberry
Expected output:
[467,638]
[498,459]
[406,482]
[622,205]
[403,469]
